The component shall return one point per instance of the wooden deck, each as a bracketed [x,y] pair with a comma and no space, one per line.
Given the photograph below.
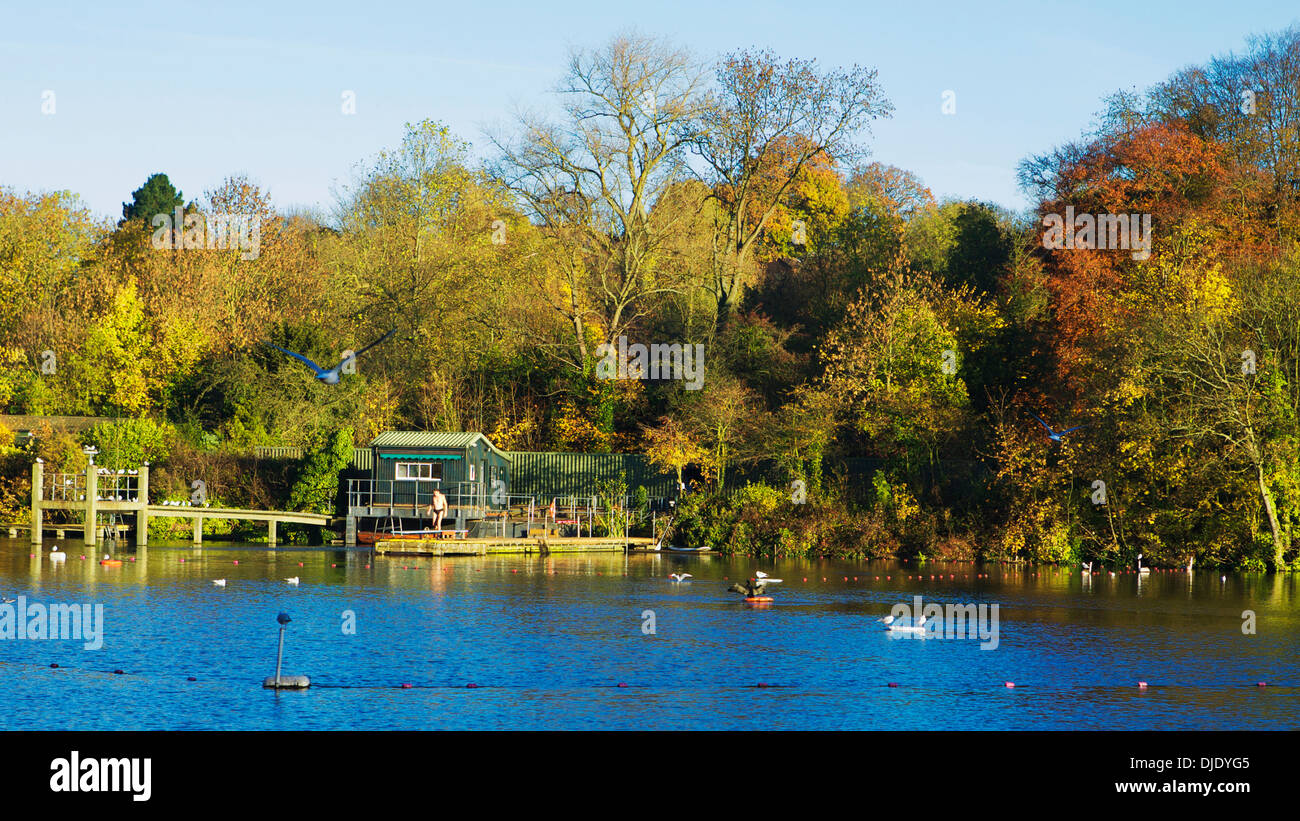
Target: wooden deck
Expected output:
[486,546]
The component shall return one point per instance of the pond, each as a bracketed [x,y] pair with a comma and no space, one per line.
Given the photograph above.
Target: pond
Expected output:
[608,641]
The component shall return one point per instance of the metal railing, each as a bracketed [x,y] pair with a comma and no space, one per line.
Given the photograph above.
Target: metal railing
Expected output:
[470,499]
[110,486]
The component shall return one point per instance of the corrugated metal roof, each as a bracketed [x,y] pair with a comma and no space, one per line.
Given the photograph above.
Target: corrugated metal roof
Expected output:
[431,439]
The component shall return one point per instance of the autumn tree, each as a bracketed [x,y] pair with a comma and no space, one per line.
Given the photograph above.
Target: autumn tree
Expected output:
[765,121]
[591,179]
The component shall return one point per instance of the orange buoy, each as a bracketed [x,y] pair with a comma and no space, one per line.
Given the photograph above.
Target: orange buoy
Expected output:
[758,598]
[111,562]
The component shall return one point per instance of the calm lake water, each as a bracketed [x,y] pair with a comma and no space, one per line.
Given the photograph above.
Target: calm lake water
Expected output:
[549,641]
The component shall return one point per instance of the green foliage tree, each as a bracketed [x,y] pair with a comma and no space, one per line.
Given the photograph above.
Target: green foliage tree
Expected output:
[317,484]
[156,196]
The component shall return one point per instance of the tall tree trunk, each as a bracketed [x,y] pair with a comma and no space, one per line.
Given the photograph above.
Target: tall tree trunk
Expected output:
[1279,544]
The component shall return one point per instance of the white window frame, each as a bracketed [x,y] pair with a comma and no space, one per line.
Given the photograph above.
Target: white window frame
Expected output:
[424,472]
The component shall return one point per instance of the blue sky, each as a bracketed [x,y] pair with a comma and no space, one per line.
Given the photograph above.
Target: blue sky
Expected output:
[202,91]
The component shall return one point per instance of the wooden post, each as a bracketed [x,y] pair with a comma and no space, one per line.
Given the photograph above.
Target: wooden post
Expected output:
[92,512]
[270,532]
[142,512]
[38,494]
[198,531]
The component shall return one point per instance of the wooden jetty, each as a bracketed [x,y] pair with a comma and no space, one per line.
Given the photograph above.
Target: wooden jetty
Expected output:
[488,546]
[126,493]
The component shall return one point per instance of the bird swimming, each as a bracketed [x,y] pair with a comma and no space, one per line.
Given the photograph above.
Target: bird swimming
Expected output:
[7,600]
[219,582]
[679,577]
[1142,571]
[1054,435]
[332,375]
[1087,568]
[292,580]
[763,577]
[919,627]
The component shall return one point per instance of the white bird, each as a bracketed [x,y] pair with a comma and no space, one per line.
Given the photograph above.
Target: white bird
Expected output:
[1142,571]
[57,555]
[7,600]
[219,582]
[919,627]
[764,578]
[1087,568]
[887,621]
[679,577]
[292,580]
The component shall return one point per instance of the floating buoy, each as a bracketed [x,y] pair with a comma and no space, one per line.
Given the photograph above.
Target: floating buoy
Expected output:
[406,686]
[111,562]
[236,561]
[1010,684]
[893,684]
[1261,684]
[621,684]
[471,685]
[300,564]
[762,684]
[119,672]
[182,561]
[191,678]
[1142,685]
[758,599]
[54,665]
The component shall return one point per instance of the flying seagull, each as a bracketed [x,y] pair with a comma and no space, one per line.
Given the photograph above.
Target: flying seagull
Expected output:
[1053,435]
[679,577]
[331,376]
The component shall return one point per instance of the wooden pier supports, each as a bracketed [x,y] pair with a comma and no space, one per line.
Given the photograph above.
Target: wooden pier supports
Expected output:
[38,495]
[142,512]
[92,509]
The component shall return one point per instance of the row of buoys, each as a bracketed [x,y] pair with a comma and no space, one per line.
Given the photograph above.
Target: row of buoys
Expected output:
[1141,685]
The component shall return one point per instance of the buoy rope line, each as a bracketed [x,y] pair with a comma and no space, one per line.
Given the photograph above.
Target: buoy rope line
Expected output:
[1007,685]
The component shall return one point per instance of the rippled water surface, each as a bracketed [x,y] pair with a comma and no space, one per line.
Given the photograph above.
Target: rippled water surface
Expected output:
[559,642]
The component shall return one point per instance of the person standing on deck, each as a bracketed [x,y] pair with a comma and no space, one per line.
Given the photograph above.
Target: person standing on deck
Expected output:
[438,508]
